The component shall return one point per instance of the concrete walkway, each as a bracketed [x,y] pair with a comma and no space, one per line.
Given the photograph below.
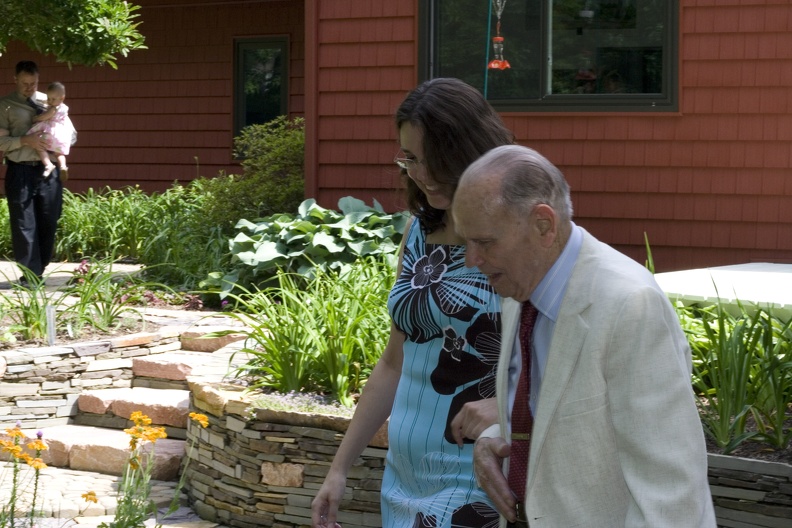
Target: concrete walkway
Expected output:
[763,284]
[60,495]
[56,275]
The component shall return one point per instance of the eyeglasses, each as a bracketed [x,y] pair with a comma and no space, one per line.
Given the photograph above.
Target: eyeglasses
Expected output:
[408,164]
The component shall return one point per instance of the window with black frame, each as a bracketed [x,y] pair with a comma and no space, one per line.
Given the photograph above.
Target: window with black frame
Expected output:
[555,55]
[260,81]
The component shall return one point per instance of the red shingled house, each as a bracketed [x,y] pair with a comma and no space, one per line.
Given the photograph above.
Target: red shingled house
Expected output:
[670,118]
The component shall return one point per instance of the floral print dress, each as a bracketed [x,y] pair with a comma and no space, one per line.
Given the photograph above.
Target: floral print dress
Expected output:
[451,318]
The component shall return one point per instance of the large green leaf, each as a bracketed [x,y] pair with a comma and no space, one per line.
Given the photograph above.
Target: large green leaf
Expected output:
[325,240]
[315,238]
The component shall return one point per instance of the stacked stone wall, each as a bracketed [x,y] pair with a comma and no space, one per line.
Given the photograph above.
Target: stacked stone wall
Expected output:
[262,468]
[40,385]
[751,493]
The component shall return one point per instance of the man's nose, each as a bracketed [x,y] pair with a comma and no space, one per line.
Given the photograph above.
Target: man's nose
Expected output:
[472,257]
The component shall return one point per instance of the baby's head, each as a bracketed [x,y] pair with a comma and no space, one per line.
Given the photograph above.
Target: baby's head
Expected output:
[56,93]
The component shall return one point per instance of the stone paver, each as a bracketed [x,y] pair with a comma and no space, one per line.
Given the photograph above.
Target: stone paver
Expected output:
[87,448]
[61,490]
[162,406]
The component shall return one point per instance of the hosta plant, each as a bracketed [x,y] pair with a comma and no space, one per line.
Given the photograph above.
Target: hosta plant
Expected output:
[314,240]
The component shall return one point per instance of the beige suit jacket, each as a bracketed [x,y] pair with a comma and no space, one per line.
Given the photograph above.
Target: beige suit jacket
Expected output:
[617,440]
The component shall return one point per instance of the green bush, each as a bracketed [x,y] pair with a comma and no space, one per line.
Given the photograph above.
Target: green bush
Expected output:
[185,247]
[273,175]
[166,232]
[314,240]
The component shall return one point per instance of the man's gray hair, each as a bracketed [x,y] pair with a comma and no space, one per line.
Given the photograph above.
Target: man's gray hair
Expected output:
[528,179]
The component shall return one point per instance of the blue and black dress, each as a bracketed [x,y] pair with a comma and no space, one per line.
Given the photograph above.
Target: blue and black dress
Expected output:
[451,318]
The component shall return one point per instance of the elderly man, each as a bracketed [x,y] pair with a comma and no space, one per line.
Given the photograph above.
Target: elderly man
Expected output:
[602,426]
[34,202]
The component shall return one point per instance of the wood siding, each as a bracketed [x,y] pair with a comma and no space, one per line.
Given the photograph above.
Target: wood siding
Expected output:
[709,185]
[365,63]
[166,114]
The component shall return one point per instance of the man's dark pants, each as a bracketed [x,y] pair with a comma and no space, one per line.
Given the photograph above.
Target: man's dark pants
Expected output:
[34,207]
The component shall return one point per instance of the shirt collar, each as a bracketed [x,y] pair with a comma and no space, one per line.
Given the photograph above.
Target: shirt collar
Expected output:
[550,292]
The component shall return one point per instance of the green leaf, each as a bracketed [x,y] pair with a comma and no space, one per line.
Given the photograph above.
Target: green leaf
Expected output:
[326,241]
[348,205]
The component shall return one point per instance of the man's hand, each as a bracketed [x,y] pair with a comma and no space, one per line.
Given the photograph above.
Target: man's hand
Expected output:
[473,418]
[488,456]
[35,141]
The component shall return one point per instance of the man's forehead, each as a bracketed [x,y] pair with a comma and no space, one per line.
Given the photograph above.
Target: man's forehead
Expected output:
[472,214]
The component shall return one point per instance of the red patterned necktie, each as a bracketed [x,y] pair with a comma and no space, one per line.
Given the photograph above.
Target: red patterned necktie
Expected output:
[521,418]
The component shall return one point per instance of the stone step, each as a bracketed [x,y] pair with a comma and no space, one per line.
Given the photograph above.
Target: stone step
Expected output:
[195,338]
[177,366]
[106,451]
[164,406]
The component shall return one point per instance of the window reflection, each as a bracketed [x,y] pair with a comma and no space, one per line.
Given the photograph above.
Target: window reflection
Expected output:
[261,81]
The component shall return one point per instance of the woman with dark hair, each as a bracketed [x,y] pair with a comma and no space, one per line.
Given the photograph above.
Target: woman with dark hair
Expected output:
[445,331]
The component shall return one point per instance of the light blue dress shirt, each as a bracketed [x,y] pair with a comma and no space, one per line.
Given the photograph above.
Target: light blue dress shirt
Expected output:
[547,298]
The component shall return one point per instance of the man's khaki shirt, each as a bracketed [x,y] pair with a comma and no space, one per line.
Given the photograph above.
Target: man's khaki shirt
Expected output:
[16,118]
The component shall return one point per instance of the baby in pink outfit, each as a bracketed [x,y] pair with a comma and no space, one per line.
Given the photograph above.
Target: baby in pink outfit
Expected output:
[55,125]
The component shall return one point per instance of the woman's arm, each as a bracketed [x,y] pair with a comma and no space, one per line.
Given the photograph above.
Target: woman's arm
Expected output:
[372,410]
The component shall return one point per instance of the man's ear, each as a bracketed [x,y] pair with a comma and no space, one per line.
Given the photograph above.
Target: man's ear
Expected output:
[546,223]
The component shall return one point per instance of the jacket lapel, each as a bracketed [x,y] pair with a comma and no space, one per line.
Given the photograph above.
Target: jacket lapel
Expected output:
[565,348]
[510,316]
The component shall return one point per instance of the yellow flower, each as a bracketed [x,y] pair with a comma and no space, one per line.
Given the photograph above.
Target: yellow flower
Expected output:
[38,445]
[90,497]
[24,457]
[16,432]
[140,419]
[37,463]
[200,418]
[152,434]
[135,432]
[15,450]
[133,463]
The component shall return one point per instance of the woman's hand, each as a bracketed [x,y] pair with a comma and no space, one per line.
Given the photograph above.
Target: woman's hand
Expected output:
[324,507]
[473,418]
